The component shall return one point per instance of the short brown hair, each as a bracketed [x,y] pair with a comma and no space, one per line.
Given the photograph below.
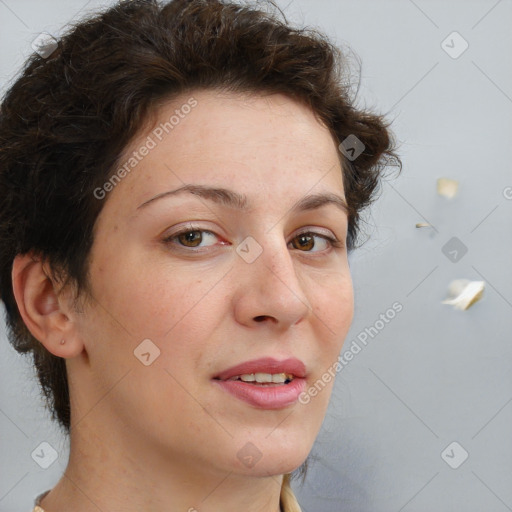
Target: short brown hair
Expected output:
[67,119]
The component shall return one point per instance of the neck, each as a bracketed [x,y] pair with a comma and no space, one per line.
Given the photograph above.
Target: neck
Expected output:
[110,472]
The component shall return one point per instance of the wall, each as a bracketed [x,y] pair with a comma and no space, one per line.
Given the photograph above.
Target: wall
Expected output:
[430,376]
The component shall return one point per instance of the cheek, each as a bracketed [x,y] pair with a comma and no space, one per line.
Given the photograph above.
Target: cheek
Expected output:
[333,304]
[151,299]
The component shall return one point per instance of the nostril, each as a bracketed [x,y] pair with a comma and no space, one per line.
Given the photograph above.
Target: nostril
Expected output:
[260,318]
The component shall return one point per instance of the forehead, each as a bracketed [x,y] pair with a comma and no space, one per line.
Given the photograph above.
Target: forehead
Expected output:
[254,144]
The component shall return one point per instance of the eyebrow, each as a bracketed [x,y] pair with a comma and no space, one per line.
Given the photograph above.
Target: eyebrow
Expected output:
[237,201]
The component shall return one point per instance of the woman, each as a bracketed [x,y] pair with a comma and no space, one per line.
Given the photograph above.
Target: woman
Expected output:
[181,185]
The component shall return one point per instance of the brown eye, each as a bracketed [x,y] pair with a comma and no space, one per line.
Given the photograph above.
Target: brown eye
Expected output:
[303,242]
[306,242]
[190,238]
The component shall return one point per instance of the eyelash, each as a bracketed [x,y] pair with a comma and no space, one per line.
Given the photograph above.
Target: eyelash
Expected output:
[333,242]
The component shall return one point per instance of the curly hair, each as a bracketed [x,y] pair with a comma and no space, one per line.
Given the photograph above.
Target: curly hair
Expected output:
[66,120]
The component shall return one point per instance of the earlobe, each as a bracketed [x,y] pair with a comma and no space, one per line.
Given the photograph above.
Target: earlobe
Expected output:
[43,313]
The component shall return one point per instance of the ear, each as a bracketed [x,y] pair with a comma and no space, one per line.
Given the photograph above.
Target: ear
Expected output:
[47,314]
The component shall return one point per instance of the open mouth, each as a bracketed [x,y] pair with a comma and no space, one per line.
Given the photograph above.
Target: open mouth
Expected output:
[263,379]
[260,390]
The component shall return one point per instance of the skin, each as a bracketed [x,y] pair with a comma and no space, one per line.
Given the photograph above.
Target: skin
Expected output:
[163,437]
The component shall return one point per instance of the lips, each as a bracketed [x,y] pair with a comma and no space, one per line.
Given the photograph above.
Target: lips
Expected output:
[292,366]
[264,396]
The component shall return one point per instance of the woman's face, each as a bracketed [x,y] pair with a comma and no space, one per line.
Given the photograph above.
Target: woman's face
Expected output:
[246,279]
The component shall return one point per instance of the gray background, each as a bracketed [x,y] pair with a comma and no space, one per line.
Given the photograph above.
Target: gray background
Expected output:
[432,375]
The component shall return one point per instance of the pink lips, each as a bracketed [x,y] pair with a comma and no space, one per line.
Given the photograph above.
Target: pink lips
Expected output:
[263,396]
[266,365]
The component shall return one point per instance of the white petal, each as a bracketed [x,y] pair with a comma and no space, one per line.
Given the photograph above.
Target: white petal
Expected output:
[463,293]
[447,187]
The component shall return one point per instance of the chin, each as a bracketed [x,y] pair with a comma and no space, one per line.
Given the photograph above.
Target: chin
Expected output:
[270,457]
[271,467]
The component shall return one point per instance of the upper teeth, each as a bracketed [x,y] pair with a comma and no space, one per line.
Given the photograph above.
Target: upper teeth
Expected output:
[264,377]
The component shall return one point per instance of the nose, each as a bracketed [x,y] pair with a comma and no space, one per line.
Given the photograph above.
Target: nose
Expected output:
[269,290]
